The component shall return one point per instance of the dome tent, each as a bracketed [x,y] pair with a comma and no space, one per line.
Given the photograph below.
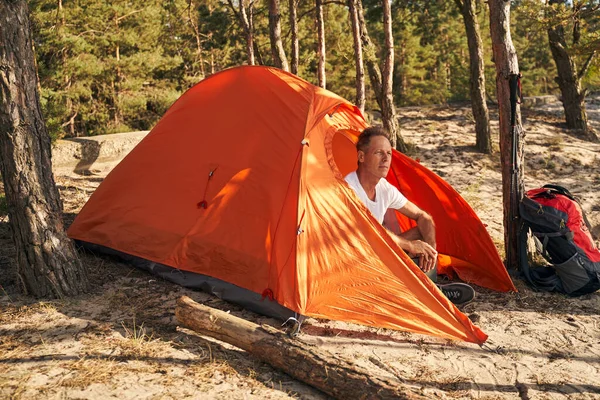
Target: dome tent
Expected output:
[239,189]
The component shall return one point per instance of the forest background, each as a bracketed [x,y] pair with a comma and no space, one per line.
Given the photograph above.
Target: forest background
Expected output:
[113,66]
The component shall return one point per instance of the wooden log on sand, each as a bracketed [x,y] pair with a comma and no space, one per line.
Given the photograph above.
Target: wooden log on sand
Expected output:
[335,376]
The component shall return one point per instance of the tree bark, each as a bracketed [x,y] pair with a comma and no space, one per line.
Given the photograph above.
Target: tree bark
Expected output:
[483,140]
[321,44]
[332,375]
[505,59]
[294,30]
[279,58]
[47,263]
[358,56]
[388,109]
[370,58]
[573,97]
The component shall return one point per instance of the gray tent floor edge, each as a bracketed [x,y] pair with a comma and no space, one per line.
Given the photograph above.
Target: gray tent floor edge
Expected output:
[224,290]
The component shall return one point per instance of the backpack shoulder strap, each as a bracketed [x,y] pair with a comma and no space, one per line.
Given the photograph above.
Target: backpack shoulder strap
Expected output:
[560,190]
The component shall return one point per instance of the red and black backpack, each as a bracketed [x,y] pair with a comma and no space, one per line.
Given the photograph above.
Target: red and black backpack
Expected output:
[563,236]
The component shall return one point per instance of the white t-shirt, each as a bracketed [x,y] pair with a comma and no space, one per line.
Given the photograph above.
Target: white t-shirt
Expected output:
[386,196]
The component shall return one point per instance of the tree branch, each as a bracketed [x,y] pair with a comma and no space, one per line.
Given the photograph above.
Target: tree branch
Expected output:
[460,5]
[128,14]
[586,65]
[233,9]
[312,10]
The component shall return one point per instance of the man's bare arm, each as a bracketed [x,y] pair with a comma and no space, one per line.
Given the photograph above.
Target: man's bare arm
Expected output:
[424,222]
[426,253]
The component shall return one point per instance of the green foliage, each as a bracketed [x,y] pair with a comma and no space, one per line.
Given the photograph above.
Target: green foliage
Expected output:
[109,66]
[535,19]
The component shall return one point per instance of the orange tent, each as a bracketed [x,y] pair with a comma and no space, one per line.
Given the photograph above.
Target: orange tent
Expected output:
[241,183]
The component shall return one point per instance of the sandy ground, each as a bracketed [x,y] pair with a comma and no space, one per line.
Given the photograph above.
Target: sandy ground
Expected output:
[122,340]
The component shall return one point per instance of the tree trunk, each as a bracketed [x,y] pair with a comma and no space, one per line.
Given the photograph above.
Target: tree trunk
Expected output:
[47,263]
[370,54]
[116,83]
[333,375]
[294,30]
[505,59]
[388,109]
[245,18]
[573,98]
[192,20]
[358,56]
[321,45]
[67,79]
[476,66]
[403,75]
[279,58]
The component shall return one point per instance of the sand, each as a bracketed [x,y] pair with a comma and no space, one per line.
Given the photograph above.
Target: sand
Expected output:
[123,341]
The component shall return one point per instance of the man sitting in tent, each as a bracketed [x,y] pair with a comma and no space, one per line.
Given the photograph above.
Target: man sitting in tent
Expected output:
[382,198]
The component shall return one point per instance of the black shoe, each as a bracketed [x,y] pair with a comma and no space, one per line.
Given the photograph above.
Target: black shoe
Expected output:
[458,293]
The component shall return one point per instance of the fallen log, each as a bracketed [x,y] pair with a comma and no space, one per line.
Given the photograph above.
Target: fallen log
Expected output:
[333,375]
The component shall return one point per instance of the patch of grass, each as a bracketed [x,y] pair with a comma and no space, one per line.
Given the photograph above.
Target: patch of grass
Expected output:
[471,193]
[84,372]
[10,346]
[206,370]
[137,344]
[14,313]
[433,127]
[549,163]
[556,143]
[15,387]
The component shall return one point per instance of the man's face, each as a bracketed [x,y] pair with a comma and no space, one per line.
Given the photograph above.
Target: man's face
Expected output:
[377,158]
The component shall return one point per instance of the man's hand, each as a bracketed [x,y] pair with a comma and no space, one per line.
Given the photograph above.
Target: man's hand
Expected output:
[427,254]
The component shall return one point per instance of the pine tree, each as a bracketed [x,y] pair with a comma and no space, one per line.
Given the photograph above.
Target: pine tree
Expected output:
[468,10]
[47,263]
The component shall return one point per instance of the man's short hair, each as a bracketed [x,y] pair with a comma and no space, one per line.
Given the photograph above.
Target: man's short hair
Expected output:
[364,139]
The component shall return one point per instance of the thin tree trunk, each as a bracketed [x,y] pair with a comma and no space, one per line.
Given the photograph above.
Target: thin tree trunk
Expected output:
[388,109]
[68,102]
[403,76]
[358,56]
[245,18]
[116,82]
[505,59]
[370,58]
[370,54]
[294,29]
[573,97]
[333,375]
[47,263]
[248,23]
[321,45]
[279,58]
[477,70]
[192,20]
